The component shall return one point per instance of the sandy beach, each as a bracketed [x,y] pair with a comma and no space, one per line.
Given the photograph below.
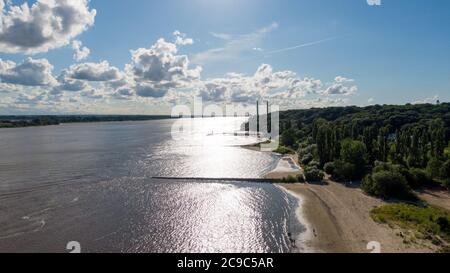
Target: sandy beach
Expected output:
[338,221]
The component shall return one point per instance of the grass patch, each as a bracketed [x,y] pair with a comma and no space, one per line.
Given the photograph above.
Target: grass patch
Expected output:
[432,223]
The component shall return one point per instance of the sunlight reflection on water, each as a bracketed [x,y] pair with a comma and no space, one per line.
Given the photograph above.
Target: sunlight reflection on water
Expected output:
[92,183]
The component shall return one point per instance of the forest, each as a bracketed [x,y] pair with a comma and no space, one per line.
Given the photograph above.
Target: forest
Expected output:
[390,149]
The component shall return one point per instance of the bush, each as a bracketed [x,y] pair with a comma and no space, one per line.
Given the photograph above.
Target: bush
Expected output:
[446,184]
[289,179]
[329,168]
[417,178]
[306,159]
[313,174]
[387,184]
[301,179]
[314,164]
[344,171]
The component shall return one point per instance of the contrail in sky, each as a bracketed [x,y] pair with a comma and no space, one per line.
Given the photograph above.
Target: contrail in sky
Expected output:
[299,46]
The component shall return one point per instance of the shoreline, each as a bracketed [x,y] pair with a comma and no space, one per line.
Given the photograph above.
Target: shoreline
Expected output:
[337,216]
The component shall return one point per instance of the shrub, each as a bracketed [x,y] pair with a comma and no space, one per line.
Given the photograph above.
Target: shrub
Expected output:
[329,168]
[313,174]
[314,164]
[290,179]
[387,184]
[344,171]
[306,159]
[446,184]
[417,178]
[301,179]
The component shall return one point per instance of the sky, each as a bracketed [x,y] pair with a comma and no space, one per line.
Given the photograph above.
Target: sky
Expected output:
[145,57]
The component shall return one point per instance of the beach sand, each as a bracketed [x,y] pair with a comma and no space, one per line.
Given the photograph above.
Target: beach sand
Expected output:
[338,221]
[288,166]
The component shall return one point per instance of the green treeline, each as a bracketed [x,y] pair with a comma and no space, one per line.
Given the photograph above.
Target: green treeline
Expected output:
[390,148]
[29,121]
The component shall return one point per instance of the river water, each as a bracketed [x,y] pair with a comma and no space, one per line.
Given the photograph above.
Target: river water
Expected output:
[93,184]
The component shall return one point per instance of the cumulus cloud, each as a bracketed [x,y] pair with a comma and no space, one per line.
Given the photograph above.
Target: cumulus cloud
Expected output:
[160,74]
[124,93]
[148,91]
[341,86]
[30,72]
[94,72]
[92,94]
[340,89]
[71,85]
[81,52]
[45,25]
[265,83]
[182,39]
[159,68]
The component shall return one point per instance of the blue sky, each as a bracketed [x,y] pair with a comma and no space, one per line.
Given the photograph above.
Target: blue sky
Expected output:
[396,53]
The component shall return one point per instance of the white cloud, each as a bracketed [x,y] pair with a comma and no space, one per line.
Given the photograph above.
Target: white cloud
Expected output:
[149,91]
[81,52]
[283,86]
[94,72]
[340,89]
[45,25]
[235,46]
[182,39]
[157,69]
[160,75]
[30,72]
[341,86]
[71,85]
[92,94]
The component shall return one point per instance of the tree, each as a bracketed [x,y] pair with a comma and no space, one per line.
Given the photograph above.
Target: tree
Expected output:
[445,170]
[329,168]
[354,152]
[382,144]
[434,168]
[288,137]
[437,133]
[313,174]
[387,184]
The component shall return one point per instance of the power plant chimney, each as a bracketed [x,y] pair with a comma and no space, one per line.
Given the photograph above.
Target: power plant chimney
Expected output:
[257,117]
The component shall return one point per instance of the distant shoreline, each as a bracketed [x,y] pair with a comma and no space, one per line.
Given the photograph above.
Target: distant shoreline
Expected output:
[12,121]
